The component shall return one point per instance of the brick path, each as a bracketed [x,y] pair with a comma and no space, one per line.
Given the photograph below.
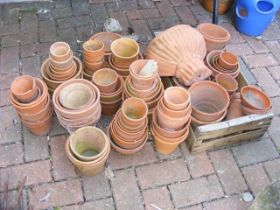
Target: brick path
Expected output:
[147,180]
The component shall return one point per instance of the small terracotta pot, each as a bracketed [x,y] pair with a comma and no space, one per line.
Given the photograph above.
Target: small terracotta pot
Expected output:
[93,50]
[223,7]
[174,113]
[138,80]
[24,88]
[176,98]
[88,143]
[217,66]
[134,111]
[76,96]
[60,51]
[124,51]
[227,60]
[254,98]
[126,151]
[106,80]
[209,101]
[107,38]
[234,110]
[167,132]
[116,95]
[228,82]
[61,65]
[165,147]
[90,168]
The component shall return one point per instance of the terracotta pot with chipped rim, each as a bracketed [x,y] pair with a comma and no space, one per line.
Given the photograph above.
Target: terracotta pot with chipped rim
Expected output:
[93,50]
[124,52]
[60,51]
[168,133]
[88,138]
[90,168]
[223,6]
[254,98]
[209,101]
[107,38]
[228,82]
[106,80]
[34,106]
[165,147]
[176,98]
[138,80]
[134,111]
[227,60]
[24,88]
[125,151]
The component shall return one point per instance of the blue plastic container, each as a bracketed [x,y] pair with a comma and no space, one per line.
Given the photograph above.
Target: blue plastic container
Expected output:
[254,16]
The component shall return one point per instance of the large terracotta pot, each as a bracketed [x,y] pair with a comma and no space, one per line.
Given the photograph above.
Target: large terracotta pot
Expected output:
[90,168]
[178,56]
[209,101]
[224,5]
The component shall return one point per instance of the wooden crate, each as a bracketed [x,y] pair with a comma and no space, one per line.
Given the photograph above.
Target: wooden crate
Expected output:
[250,127]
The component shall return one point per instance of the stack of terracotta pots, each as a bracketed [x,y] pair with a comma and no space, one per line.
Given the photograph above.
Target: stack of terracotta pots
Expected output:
[60,66]
[210,102]
[110,85]
[124,52]
[171,119]
[223,62]
[147,87]
[30,97]
[77,104]
[216,37]
[93,57]
[129,129]
[254,101]
[88,149]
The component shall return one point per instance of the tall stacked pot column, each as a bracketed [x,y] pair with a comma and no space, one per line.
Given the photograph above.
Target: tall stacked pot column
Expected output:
[171,119]
[30,97]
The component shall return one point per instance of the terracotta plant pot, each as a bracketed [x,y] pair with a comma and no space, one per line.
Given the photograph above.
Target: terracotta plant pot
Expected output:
[172,112]
[196,122]
[106,80]
[61,65]
[138,80]
[234,110]
[227,82]
[76,96]
[216,37]
[87,168]
[60,51]
[107,38]
[209,101]
[223,7]
[124,52]
[116,95]
[24,88]
[178,56]
[94,66]
[254,98]
[227,60]
[176,98]
[93,50]
[248,110]
[88,143]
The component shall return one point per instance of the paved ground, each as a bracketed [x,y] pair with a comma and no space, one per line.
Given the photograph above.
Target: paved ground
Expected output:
[209,180]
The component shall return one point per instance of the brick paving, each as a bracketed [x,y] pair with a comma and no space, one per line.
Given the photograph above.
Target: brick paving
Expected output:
[147,180]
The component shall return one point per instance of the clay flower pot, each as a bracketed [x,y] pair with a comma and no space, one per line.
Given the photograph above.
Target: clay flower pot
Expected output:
[167,147]
[176,98]
[216,37]
[107,38]
[228,82]
[134,111]
[60,51]
[223,7]
[254,98]
[76,96]
[248,110]
[62,65]
[209,101]
[196,122]
[106,80]
[88,168]
[88,143]
[116,95]
[141,81]
[124,52]
[93,50]
[24,88]
[174,113]
[234,110]
[227,60]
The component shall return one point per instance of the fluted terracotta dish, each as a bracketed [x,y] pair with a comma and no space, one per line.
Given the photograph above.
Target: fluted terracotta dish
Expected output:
[178,56]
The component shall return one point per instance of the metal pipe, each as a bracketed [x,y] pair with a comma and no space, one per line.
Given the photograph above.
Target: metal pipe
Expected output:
[215,11]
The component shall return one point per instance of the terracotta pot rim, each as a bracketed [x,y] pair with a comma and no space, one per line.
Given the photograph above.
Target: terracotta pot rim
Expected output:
[225,93]
[225,61]
[122,39]
[229,77]
[94,79]
[188,109]
[60,56]
[139,101]
[91,52]
[28,92]
[170,90]
[138,76]
[201,28]
[260,92]
[173,118]
[196,121]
